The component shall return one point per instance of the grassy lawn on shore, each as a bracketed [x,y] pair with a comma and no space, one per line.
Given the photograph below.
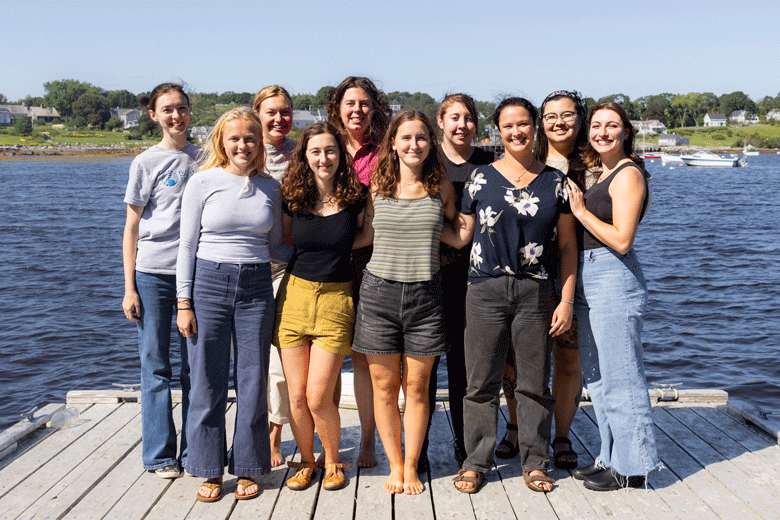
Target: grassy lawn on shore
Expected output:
[72,137]
[723,137]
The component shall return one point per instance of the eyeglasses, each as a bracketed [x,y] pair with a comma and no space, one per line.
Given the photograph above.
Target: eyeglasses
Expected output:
[567,117]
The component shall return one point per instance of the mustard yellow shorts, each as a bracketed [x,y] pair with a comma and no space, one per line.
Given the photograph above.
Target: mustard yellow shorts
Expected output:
[320,313]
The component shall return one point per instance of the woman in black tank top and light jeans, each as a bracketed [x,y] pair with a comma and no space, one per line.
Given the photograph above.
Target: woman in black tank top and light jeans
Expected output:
[611,299]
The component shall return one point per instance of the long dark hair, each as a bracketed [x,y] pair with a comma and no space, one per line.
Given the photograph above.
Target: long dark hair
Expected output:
[576,166]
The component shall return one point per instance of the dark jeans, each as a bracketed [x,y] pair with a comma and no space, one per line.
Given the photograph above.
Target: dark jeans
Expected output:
[230,301]
[520,309]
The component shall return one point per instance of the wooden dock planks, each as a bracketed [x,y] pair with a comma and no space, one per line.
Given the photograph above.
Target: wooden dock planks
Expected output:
[716,466]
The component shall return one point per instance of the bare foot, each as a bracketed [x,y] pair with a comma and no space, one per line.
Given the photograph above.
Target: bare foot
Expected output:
[395,482]
[277,459]
[412,483]
[367,456]
[211,489]
[320,462]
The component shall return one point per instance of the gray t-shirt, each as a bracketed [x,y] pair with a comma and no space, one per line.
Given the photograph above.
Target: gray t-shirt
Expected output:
[157,180]
[224,220]
[277,158]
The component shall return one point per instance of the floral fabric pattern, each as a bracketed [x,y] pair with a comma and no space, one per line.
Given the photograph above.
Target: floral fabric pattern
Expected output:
[516,227]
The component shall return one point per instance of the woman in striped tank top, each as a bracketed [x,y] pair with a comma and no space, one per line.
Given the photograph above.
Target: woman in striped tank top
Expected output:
[400,325]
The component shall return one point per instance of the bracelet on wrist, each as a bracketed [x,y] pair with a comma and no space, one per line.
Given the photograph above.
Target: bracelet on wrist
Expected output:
[183,308]
[567,301]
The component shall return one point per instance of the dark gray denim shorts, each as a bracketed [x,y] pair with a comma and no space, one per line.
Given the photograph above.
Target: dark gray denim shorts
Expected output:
[400,317]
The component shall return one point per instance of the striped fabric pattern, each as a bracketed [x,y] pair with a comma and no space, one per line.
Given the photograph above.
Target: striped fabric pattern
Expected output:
[407,234]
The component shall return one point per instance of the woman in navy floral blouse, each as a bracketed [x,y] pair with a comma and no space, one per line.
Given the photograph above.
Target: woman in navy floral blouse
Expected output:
[518,214]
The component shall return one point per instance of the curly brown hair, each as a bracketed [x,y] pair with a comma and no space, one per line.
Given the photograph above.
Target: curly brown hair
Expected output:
[387,175]
[298,185]
[380,111]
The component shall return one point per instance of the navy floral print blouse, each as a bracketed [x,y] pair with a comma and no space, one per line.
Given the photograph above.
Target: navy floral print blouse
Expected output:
[515,232]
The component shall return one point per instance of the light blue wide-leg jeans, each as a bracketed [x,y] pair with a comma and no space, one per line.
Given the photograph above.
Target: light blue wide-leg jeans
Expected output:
[157,293]
[611,300]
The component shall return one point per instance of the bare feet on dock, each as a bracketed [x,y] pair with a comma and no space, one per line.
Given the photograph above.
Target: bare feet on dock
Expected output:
[412,483]
[276,445]
[395,482]
[367,456]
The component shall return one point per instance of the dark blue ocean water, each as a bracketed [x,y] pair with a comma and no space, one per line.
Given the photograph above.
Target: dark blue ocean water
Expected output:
[709,247]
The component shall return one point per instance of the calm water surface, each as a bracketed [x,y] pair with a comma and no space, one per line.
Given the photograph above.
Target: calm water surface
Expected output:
[709,248]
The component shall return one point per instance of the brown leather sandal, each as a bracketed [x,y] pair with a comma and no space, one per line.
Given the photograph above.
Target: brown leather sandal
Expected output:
[300,480]
[245,482]
[211,484]
[476,481]
[531,480]
[333,480]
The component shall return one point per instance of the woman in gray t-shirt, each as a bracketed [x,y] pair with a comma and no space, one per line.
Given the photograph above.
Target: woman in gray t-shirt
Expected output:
[149,247]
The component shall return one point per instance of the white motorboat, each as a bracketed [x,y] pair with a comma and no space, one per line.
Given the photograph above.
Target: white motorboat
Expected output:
[750,150]
[670,159]
[705,158]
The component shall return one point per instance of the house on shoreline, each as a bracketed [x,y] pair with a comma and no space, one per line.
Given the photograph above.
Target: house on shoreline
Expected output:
[715,119]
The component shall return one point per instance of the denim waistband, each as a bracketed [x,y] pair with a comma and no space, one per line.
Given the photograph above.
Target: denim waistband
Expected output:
[219,265]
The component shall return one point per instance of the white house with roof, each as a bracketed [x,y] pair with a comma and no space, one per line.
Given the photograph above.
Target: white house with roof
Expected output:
[5,117]
[649,126]
[303,118]
[200,133]
[672,140]
[15,112]
[48,114]
[773,114]
[395,106]
[715,119]
[319,115]
[129,116]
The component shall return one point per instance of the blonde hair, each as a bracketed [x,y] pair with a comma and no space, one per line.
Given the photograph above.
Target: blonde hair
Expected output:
[269,92]
[214,151]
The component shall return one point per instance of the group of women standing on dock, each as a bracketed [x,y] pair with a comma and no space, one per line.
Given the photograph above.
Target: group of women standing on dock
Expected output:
[366,202]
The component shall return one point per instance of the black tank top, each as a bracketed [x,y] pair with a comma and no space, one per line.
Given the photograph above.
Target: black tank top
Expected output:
[599,202]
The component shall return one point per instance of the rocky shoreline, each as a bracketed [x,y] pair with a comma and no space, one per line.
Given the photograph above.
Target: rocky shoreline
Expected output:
[71,150]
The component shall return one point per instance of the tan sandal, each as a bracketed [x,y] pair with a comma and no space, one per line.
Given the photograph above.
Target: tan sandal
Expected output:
[333,480]
[531,480]
[300,480]
[476,481]
[212,484]
[245,482]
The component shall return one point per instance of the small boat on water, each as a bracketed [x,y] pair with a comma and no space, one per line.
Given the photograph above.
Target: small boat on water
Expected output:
[669,158]
[750,150]
[650,156]
[705,158]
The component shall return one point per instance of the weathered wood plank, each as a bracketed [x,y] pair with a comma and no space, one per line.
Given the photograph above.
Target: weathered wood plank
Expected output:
[89,465]
[769,423]
[753,439]
[719,466]
[448,502]
[52,450]
[127,480]
[753,466]
[687,466]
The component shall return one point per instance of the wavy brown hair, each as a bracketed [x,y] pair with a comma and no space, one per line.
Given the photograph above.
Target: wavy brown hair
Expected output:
[589,155]
[380,109]
[298,185]
[388,171]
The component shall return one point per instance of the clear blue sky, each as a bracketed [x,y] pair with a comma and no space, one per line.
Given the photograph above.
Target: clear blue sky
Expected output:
[484,48]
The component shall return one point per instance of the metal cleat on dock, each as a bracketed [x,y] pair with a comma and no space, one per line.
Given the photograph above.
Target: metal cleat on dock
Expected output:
[30,415]
[663,388]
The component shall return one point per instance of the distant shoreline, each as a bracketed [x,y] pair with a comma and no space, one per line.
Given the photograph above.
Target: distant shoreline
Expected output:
[69,151]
